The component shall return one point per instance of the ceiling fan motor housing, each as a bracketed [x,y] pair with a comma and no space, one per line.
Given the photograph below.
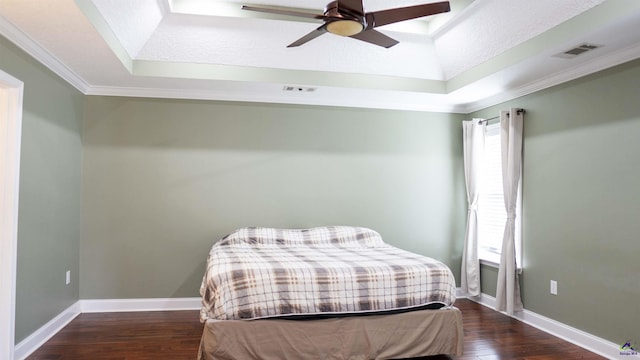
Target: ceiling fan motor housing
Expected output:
[343,22]
[348,18]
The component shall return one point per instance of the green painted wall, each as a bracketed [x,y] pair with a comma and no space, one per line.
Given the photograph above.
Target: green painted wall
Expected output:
[165,179]
[50,188]
[581,202]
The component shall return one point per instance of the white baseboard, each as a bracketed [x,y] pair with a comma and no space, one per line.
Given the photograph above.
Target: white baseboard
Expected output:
[461,294]
[575,336]
[155,304]
[47,331]
[40,336]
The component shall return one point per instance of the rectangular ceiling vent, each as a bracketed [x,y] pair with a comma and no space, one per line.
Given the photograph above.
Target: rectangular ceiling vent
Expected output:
[299,88]
[578,50]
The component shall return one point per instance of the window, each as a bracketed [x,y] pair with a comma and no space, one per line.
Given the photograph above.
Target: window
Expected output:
[492,215]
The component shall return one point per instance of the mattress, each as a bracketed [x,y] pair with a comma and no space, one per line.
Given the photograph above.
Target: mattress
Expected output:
[256,273]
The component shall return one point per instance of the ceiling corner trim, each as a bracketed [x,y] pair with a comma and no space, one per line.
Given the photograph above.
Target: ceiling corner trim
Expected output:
[456,19]
[28,45]
[165,6]
[100,24]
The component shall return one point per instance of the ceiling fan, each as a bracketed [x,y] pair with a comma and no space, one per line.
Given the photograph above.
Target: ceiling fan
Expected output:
[347,18]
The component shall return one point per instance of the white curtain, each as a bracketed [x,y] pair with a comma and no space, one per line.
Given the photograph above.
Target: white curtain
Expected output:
[473,151]
[508,288]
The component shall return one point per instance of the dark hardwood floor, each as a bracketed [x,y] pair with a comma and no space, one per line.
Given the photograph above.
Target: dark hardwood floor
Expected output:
[488,335]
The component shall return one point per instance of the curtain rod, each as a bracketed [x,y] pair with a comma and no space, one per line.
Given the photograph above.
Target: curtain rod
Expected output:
[519,111]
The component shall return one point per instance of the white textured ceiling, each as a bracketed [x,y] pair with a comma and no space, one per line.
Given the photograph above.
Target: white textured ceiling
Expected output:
[483,52]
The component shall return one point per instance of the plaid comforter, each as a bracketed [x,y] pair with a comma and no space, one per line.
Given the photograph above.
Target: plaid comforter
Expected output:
[263,272]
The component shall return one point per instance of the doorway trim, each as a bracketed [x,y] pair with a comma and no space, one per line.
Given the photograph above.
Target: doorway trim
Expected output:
[11,97]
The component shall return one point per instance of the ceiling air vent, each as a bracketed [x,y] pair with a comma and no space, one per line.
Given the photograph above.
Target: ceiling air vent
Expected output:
[580,49]
[299,88]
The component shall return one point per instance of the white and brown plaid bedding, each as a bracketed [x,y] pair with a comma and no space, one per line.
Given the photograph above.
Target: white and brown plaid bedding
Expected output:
[264,272]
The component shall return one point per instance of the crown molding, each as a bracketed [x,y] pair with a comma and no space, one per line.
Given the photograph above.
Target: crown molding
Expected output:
[31,47]
[264,97]
[598,64]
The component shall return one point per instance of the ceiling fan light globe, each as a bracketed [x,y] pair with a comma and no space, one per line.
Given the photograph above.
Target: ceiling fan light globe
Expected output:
[345,27]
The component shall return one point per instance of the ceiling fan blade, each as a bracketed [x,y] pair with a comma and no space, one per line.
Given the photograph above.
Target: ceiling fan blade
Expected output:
[375,37]
[352,6]
[284,12]
[384,17]
[310,36]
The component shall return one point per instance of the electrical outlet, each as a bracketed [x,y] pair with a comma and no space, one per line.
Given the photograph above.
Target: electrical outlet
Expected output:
[554,287]
[68,277]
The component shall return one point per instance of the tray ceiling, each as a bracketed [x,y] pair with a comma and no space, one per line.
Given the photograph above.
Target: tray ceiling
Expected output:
[481,53]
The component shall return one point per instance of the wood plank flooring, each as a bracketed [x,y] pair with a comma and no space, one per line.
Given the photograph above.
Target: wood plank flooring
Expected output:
[488,335]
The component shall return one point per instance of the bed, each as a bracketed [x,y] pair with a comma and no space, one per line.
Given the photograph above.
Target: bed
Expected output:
[335,292]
